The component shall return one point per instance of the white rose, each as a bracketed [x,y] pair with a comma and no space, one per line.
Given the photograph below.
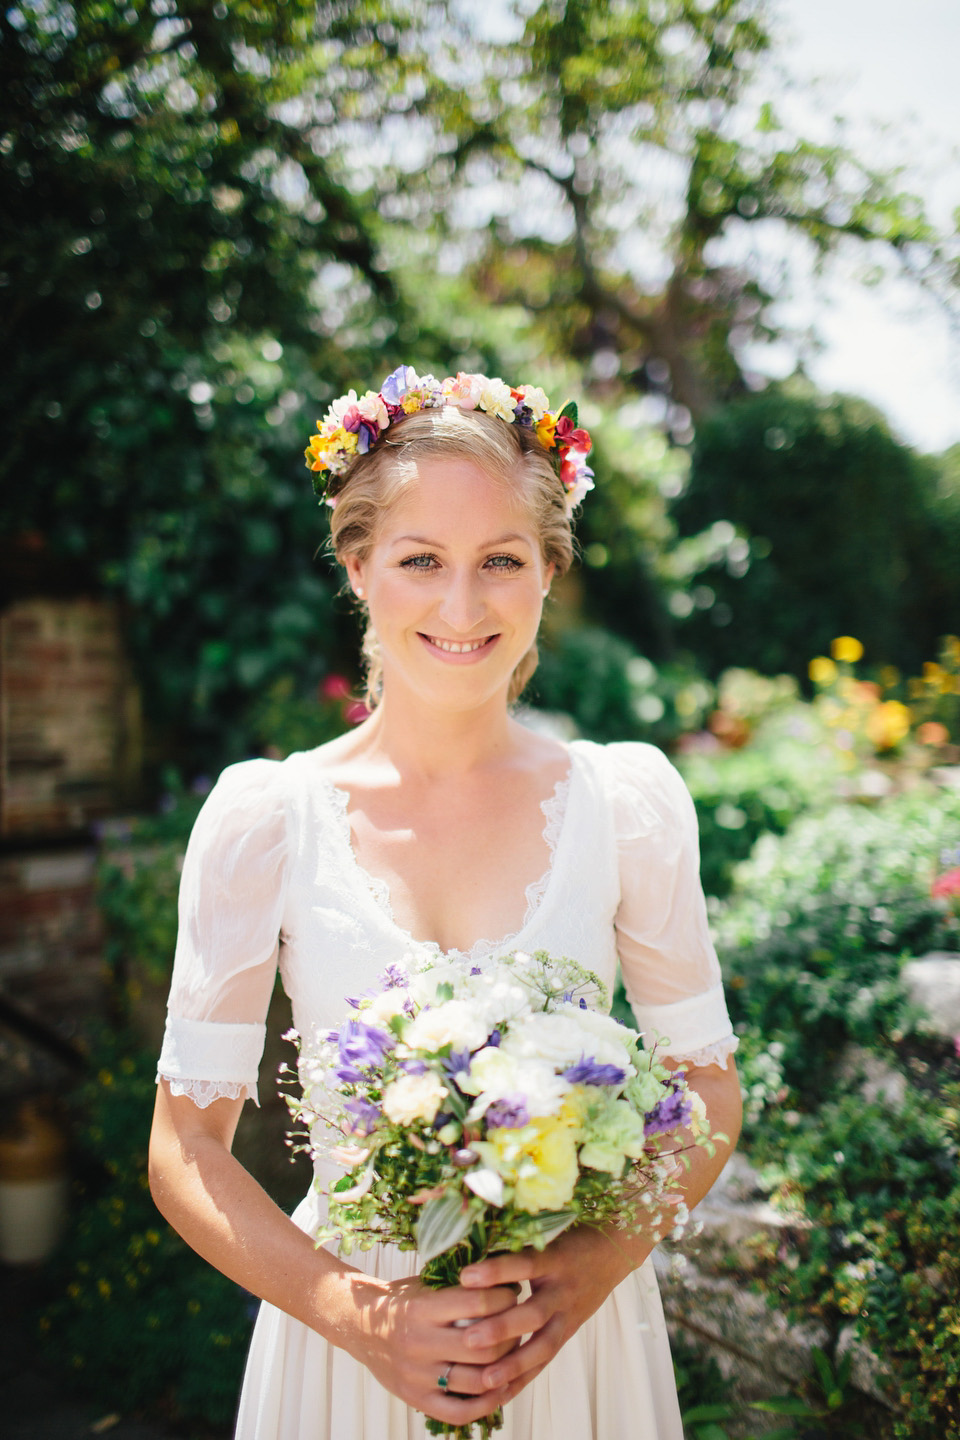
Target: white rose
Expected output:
[423,986]
[493,1075]
[554,1038]
[383,1008]
[616,1039]
[413,1097]
[453,1023]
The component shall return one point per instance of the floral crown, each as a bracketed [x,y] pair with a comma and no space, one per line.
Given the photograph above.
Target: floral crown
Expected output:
[353,425]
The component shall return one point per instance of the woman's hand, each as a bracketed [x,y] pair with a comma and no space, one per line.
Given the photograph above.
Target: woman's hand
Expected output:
[408,1336]
[568,1280]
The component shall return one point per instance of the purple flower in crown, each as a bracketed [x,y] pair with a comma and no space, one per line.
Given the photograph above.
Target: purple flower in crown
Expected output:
[361,1047]
[592,1072]
[396,385]
[366,431]
[670,1113]
[508,1113]
[365,1114]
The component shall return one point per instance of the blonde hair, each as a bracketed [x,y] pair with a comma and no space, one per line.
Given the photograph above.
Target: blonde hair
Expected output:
[509,453]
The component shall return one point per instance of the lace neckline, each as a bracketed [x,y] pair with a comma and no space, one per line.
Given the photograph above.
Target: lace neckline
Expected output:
[554,808]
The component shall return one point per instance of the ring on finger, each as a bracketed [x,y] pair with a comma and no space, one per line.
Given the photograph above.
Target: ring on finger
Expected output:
[443,1379]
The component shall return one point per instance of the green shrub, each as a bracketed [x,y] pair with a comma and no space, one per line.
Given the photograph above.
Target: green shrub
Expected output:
[811,940]
[141,1320]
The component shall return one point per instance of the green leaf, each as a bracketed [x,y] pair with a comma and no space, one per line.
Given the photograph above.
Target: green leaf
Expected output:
[551,1223]
[570,412]
[444,991]
[785,1405]
[701,1413]
[443,1224]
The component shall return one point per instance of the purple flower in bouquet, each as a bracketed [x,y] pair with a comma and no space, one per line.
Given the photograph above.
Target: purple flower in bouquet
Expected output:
[365,1114]
[456,1063]
[673,1112]
[509,1113]
[361,1047]
[393,978]
[592,1072]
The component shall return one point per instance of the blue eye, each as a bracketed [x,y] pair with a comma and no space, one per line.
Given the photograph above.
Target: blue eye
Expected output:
[504,562]
[418,562]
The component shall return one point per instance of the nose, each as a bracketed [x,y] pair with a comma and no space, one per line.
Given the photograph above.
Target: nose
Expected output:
[462,605]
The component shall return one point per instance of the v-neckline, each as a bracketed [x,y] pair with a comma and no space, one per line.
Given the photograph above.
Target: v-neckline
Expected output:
[555,809]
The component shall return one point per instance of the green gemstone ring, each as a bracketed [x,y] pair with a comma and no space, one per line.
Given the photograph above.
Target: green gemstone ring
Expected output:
[444,1380]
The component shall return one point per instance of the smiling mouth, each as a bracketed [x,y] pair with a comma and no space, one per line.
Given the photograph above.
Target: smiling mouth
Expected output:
[457,647]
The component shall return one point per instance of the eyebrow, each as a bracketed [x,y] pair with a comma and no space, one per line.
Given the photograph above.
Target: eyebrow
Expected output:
[425,540]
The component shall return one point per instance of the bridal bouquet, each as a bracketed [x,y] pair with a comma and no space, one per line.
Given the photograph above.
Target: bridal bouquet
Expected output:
[489,1110]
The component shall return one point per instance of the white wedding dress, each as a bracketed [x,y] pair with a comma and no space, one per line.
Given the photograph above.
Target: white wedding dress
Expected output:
[270,878]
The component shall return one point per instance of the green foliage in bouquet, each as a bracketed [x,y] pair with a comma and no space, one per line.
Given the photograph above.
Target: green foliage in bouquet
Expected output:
[141,1320]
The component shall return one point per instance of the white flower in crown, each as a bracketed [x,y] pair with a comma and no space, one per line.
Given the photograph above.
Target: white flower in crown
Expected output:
[535,400]
[339,408]
[497,399]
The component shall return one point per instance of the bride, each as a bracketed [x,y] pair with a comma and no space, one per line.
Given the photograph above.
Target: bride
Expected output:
[438,821]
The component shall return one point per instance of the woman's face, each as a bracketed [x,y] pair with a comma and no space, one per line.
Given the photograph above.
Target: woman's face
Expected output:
[454,584]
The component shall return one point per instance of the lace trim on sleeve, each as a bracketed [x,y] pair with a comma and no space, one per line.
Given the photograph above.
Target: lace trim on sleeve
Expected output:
[716,1054]
[204,1092]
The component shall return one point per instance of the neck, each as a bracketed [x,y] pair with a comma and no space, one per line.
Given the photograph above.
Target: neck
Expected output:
[433,745]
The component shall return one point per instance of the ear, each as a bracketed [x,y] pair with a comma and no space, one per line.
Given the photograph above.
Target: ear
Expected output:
[548,574]
[354,568]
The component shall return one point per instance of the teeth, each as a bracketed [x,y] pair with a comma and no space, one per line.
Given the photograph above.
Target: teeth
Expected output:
[456,649]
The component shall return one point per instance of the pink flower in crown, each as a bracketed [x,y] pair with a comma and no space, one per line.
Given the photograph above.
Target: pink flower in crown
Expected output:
[465,390]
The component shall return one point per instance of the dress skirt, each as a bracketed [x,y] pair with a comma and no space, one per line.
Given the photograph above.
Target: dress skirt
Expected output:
[613,1380]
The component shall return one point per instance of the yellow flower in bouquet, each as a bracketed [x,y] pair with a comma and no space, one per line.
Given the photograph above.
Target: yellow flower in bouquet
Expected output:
[538,1159]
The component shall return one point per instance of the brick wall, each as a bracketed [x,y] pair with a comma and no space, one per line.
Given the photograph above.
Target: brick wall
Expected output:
[69,755]
[69,716]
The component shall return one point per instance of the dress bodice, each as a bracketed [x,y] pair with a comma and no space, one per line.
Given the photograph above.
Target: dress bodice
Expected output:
[270,879]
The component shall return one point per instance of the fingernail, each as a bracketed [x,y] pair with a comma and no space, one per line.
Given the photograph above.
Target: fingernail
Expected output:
[495,1377]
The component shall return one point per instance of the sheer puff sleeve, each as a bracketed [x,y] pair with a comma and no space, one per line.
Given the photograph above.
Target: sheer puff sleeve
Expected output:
[670,969]
[232,893]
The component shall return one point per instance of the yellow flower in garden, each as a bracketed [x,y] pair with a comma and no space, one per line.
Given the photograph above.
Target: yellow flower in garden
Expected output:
[545,431]
[847,650]
[888,724]
[822,671]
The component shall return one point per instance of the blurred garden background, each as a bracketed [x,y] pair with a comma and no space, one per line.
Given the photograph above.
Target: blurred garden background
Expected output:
[216,218]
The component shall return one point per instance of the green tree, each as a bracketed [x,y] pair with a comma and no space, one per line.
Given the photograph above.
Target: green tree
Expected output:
[187,282]
[827,525]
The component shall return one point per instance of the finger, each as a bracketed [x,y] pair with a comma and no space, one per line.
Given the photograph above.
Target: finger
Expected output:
[524,1319]
[525,1360]
[502,1269]
[454,1411]
[454,1303]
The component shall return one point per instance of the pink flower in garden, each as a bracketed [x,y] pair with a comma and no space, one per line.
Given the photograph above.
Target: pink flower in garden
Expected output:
[335,687]
[947,885]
